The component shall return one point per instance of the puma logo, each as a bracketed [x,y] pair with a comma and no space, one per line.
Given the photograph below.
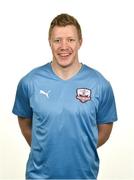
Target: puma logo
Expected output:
[45,93]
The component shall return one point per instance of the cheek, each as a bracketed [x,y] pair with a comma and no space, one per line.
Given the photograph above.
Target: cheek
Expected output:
[54,49]
[76,47]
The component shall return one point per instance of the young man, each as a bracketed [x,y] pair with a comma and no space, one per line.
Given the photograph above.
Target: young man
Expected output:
[65,109]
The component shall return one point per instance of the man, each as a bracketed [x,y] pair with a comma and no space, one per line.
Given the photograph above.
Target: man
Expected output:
[65,109]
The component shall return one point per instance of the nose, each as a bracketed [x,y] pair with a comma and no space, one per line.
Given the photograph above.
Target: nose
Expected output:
[64,44]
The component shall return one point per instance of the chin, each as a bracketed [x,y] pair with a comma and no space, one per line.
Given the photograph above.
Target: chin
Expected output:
[65,64]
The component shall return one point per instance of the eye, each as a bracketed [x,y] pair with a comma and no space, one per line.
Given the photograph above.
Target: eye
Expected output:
[71,40]
[56,40]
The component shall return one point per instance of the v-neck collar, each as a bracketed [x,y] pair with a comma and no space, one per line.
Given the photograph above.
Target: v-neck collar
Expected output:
[66,80]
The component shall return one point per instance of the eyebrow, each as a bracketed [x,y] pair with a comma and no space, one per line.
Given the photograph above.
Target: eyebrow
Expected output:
[69,37]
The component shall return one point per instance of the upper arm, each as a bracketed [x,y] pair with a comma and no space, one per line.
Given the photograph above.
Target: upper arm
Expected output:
[22,107]
[107,108]
[24,123]
[105,129]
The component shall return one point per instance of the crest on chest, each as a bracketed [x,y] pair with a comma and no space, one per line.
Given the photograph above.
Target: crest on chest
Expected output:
[83,94]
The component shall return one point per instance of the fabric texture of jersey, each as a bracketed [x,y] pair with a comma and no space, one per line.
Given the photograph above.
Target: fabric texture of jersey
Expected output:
[65,115]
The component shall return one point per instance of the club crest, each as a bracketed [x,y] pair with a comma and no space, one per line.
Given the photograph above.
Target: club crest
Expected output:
[83,94]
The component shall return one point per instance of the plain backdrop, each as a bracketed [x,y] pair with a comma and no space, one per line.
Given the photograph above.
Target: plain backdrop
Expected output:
[108,46]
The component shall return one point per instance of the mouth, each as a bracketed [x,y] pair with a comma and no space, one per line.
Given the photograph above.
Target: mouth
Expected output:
[64,55]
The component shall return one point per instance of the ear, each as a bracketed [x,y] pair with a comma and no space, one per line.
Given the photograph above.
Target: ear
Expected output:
[80,42]
[49,42]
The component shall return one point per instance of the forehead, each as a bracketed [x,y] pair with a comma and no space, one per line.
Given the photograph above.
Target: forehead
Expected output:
[64,31]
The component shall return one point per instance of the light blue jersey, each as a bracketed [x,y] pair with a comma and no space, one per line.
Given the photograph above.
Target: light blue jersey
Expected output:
[65,115]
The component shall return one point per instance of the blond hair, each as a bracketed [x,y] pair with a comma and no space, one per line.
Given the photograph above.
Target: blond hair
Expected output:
[63,20]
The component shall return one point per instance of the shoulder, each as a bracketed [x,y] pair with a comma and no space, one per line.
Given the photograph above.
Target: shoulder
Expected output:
[96,76]
[97,81]
[34,74]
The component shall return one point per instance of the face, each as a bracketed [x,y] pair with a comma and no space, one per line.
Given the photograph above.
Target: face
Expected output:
[65,43]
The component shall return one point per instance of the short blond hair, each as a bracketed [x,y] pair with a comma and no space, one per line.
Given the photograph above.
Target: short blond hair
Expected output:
[63,20]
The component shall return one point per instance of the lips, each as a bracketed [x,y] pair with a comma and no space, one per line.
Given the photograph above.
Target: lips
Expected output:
[64,54]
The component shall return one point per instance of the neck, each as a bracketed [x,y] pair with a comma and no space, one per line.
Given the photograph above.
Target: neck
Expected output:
[66,72]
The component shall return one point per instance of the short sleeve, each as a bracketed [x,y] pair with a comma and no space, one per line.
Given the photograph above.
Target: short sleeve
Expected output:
[22,105]
[107,108]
